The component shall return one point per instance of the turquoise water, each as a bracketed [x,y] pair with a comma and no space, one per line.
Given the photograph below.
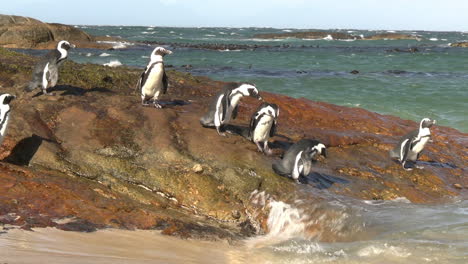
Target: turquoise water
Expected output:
[429,83]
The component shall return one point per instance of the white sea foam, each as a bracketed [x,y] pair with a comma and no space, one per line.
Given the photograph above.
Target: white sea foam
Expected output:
[89,54]
[172,32]
[391,31]
[117,44]
[209,35]
[328,37]
[433,39]
[150,28]
[287,30]
[113,63]
[385,249]
[105,55]
[222,33]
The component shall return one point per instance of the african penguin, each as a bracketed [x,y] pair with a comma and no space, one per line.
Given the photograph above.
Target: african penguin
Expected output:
[297,160]
[45,73]
[410,145]
[263,125]
[153,81]
[5,100]
[224,105]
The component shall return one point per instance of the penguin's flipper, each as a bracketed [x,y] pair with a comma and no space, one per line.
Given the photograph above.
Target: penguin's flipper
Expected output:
[165,82]
[140,83]
[405,149]
[279,169]
[226,103]
[253,124]
[273,128]
[234,112]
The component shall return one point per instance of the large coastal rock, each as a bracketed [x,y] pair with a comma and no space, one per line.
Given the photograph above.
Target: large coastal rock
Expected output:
[28,33]
[93,157]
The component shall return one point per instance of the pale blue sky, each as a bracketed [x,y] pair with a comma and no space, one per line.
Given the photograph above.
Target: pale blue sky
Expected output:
[324,14]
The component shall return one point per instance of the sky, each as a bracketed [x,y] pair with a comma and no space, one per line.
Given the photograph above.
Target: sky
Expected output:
[437,15]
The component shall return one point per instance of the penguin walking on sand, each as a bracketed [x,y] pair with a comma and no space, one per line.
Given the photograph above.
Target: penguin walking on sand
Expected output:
[410,146]
[225,104]
[45,73]
[5,100]
[153,81]
[297,161]
[263,126]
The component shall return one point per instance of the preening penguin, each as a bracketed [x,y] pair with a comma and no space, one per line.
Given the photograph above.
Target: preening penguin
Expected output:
[410,145]
[224,105]
[45,73]
[153,81]
[297,161]
[5,100]
[263,125]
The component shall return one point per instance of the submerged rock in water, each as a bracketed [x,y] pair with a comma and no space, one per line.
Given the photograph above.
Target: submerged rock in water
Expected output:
[94,153]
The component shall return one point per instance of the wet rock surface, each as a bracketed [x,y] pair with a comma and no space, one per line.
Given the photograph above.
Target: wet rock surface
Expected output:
[93,157]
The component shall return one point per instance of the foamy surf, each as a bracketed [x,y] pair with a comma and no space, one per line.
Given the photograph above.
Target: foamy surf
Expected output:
[113,63]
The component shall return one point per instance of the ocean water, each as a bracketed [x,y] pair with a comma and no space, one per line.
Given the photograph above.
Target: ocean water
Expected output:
[371,232]
[432,82]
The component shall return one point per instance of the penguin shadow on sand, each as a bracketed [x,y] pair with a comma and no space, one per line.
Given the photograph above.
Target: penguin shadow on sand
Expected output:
[25,150]
[422,164]
[173,103]
[321,180]
[74,91]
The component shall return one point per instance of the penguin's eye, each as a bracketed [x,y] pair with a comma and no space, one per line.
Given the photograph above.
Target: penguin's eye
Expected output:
[269,112]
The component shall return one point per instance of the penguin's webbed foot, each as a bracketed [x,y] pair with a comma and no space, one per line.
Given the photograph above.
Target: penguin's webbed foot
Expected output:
[419,167]
[157,105]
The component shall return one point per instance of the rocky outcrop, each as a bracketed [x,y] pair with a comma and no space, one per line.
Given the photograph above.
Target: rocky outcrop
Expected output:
[307,35]
[93,157]
[334,35]
[459,44]
[27,33]
[392,36]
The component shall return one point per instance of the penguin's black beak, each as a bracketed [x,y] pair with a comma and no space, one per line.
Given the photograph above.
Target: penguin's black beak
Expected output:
[8,99]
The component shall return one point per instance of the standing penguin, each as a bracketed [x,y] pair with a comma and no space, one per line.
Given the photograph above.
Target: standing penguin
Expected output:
[297,161]
[153,81]
[224,105]
[410,145]
[5,100]
[263,125]
[45,73]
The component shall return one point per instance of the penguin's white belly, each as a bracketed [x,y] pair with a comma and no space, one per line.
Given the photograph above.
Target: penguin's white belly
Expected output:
[262,131]
[420,145]
[3,129]
[154,82]
[413,153]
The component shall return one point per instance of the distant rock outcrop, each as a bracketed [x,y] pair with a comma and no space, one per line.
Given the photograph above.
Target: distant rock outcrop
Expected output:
[307,35]
[460,44]
[28,33]
[393,36]
[333,35]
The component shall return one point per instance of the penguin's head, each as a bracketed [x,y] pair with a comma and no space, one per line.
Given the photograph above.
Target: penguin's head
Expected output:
[5,99]
[426,123]
[272,110]
[65,45]
[320,149]
[248,89]
[159,51]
